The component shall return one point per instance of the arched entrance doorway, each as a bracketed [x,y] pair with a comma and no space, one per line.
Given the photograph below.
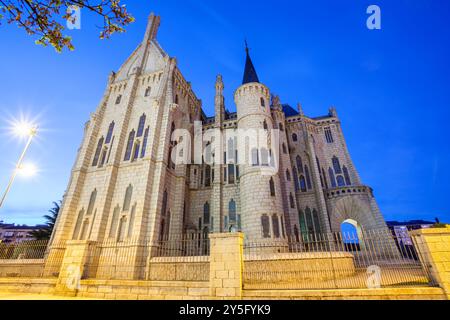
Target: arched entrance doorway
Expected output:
[352,235]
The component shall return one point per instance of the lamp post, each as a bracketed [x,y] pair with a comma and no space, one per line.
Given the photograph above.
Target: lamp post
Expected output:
[31,132]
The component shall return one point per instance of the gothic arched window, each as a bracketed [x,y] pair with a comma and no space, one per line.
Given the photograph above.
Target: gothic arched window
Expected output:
[130,145]
[296,185]
[340,181]
[144,142]
[308,177]
[288,175]
[265,224]
[148,91]
[176,99]
[78,224]
[118,99]
[114,222]
[206,213]
[265,127]
[299,164]
[263,103]
[207,176]
[91,202]
[110,132]
[317,227]
[127,199]
[302,221]
[337,165]
[136,147]
[264,157]
[347,176]
[303,187]
[255,157]
[280,126]
[232,211]
[97,152]
[309,221]
[332,178]
[140,130]
[122,229]
[272,187]
[276,226]
[284,148]
[164,204]
[294,137]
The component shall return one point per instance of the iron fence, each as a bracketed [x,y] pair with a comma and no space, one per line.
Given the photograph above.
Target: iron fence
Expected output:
[176,257]
[27,250]
[183,245]
[368,259]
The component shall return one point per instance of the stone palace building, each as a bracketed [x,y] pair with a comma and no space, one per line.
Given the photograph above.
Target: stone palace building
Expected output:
[125,185]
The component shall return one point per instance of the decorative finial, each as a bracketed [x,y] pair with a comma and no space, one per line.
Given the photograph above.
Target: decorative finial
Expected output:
[333,112]
[276,102]
[246,46]
[300,109]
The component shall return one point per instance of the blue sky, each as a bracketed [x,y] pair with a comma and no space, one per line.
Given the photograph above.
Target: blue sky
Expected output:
[390,86]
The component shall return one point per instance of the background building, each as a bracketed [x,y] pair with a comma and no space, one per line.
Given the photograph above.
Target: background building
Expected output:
[11,233]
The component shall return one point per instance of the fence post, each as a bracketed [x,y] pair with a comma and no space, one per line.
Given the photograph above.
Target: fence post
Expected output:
[226,265]
[433,246]
[73,266]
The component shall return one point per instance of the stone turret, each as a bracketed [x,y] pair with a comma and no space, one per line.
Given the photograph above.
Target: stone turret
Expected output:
[261,207]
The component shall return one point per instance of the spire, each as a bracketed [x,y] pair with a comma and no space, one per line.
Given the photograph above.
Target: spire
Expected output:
[250,72]
[219,102]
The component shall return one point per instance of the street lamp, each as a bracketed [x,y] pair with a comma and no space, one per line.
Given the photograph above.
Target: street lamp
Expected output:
[30,131]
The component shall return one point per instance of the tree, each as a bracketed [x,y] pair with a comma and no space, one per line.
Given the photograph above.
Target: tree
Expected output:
[43,18]
[46,232]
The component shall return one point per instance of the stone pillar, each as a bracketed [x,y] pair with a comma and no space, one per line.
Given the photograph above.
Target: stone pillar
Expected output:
[433,246]
[226,265]
[77,258]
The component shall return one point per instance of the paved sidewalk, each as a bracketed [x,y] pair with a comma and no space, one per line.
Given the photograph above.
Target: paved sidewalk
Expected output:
[32,296]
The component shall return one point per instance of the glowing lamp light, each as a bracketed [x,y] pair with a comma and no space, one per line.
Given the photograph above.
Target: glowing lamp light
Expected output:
[27,170]
[24,129]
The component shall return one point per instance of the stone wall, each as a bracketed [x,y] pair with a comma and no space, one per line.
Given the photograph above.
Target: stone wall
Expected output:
[21,268]
[179,269]
[433,246]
